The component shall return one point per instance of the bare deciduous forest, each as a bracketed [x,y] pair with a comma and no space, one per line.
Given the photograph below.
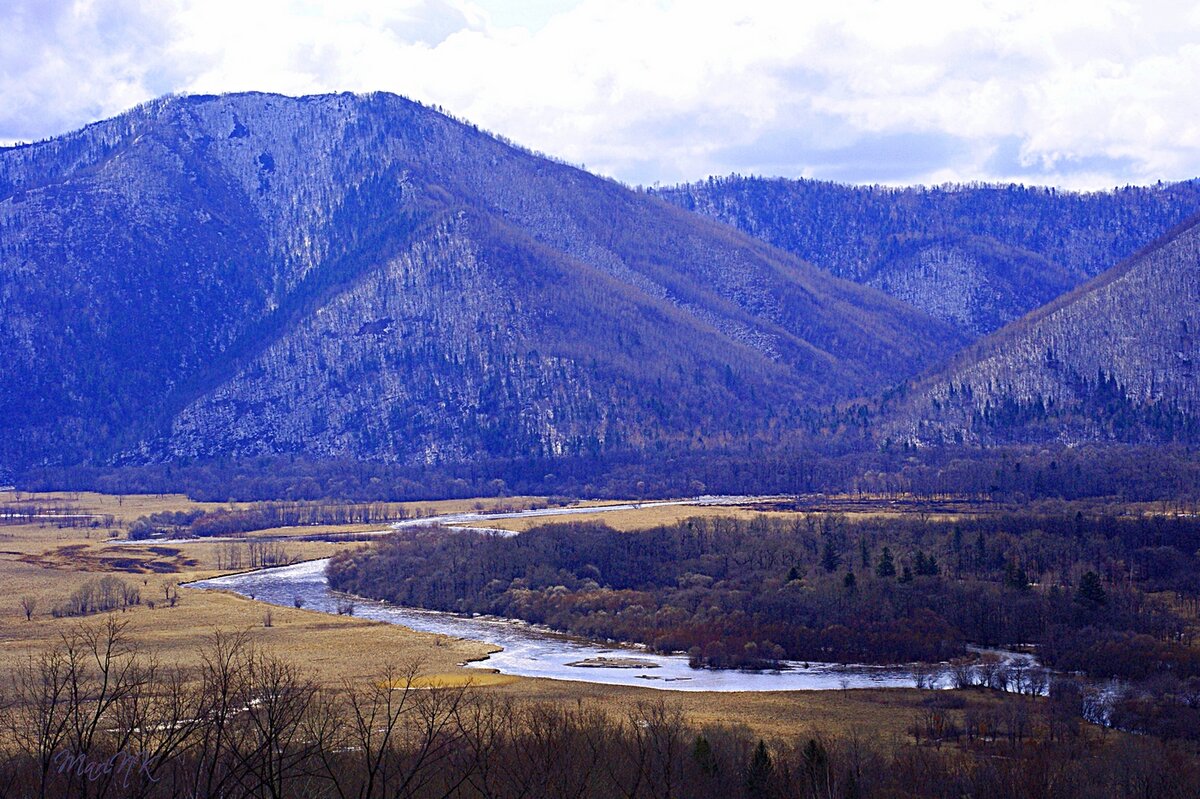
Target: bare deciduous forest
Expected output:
[96,717]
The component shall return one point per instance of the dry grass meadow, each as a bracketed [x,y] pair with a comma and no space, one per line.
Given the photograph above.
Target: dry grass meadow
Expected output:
[652,515]
[45,563]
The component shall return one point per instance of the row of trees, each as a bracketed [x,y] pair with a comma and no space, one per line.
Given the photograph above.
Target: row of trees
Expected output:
[94,596]
[93,717]
[58,514]
[1016,474]
[256,554]
[262,516]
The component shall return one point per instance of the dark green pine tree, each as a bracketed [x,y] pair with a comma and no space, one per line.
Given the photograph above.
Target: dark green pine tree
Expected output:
[816,766]
[925,565]
[759,773]
[702,753]
[850,582]
[958,552]
[886,566]
[1015,577]
[1091,591]
[830,557]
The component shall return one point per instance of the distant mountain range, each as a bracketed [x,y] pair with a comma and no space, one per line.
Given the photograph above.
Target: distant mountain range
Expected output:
[976,257]
[364,277]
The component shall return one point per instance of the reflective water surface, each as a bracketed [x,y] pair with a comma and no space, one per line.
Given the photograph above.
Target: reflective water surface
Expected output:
[531,652]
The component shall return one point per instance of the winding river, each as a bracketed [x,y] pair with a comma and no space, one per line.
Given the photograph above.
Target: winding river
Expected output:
[528,651]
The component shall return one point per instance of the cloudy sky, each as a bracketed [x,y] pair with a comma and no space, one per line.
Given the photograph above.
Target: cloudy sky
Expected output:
[1074,93]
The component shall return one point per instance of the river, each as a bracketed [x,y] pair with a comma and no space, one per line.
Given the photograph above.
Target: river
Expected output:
[528,651]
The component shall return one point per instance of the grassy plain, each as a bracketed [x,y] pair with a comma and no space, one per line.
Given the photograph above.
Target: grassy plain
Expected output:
[46,563]
[652,515]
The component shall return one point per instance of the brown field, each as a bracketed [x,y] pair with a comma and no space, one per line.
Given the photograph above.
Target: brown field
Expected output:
[125,508]
[636,519]
[653,516]
[46,563]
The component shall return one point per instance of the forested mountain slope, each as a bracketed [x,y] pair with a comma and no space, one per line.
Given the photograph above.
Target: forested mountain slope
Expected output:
[361,276]
[1116,359]
[974,256]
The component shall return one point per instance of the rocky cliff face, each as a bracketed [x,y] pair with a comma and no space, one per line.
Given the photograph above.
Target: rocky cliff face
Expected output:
[362,276]
[975,257]
[1115,359]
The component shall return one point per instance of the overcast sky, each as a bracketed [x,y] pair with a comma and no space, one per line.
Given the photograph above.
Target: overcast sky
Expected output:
[1074,93]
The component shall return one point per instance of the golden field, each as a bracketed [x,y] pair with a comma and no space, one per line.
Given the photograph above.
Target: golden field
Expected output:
[45,563]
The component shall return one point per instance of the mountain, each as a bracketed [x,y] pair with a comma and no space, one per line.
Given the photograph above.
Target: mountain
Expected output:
[975,256]
[363,276]
[1116,359]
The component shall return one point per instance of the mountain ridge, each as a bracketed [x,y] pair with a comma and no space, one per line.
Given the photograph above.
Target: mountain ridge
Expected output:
[208,230]
[1111,360]
[975,256]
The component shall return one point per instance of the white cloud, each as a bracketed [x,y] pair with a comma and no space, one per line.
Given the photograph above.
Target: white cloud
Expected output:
[64,63]
[1079,92]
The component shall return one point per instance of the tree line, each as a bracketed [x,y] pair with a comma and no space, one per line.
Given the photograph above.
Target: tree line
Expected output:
[842,464]
[262,516]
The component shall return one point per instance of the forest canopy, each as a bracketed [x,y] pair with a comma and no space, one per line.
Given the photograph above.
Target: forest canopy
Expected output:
[824,587]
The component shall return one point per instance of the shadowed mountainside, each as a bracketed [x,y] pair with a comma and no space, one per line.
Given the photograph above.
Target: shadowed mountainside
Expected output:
[361,276]
[1116,359]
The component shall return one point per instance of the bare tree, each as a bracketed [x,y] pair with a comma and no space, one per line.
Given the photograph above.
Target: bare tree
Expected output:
[664,730]
[39,716]
[28,605]
[272,747]
[925,676]
[375,714]
[66,701]
[224,687]
[431,739]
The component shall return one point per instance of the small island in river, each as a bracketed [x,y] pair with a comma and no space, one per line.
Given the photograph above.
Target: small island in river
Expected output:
[602,662]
